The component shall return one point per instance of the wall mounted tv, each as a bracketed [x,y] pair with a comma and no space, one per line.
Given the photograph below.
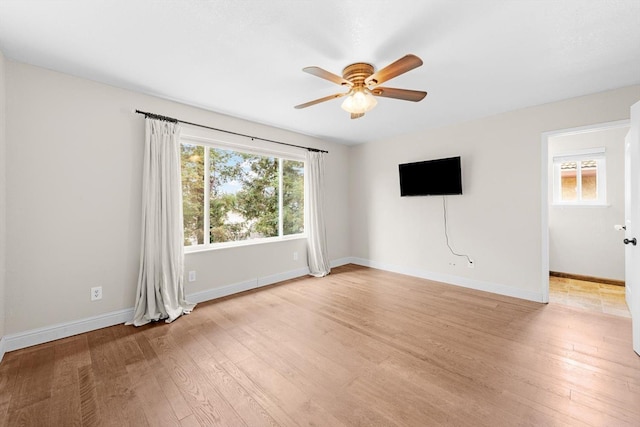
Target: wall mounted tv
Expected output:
[438,177]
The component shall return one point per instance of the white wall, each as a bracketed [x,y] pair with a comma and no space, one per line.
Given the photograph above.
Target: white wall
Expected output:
[3,199]
[74,153]
[581,238]
[498,220]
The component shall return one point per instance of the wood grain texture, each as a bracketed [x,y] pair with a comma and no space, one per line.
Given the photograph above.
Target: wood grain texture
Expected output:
[361,347]
[587,278]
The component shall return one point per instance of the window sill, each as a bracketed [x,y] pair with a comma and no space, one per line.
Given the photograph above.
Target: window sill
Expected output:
[580,205]
[254,242]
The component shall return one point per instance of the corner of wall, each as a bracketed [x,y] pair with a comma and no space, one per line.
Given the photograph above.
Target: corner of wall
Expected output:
[3,151]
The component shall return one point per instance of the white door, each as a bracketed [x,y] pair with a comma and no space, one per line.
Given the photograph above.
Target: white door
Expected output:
[632,222]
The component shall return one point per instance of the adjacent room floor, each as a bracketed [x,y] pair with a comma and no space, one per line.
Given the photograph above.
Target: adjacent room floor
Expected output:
[591,296]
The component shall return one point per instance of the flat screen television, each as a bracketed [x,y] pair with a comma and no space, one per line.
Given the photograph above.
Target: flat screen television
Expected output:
[437,177]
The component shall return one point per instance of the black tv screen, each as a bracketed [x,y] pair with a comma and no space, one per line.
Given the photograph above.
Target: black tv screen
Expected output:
[438,177]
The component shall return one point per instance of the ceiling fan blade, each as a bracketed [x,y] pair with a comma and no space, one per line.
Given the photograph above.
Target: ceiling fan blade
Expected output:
[404,94]
[324,74]
[356,115]
[319,100]
[401,66]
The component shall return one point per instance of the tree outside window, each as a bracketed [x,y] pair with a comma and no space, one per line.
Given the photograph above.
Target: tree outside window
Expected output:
[239,196]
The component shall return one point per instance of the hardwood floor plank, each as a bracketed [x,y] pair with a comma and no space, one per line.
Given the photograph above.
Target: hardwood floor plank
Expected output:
[70,354]
[8,384]
[65,408]
[152,366]
[269,403]
[30,415]
[200,394]
[292,399]
[358,347]
[318,378]
[34,378]
[89,405]
[251,412]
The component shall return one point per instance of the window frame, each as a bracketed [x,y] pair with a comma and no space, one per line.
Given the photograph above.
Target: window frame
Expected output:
[578,156]
[266,149]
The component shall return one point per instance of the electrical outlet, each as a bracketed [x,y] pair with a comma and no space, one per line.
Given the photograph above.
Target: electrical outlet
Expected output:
[471,264]
[96,293]
[192,276]
[295,256]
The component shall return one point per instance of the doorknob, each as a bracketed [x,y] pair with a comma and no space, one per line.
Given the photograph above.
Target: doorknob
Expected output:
[632,241]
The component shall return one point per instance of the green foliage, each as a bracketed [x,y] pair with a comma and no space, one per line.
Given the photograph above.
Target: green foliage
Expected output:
[293,197]
[257,201]
[243,195]
[192,158]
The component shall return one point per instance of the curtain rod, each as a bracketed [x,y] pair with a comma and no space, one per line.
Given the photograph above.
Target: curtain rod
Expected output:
[171,119]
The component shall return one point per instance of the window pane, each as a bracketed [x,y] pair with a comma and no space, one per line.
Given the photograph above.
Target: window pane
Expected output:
[589,172]
[568,181]
[258,200]
[292,197]
[244,196]
[225,224]
[192,163]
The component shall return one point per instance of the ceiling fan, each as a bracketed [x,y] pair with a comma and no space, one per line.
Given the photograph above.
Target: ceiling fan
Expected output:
[363,83]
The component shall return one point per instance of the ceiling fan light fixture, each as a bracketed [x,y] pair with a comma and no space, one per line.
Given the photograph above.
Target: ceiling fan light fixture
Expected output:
[359,101]
[363,81]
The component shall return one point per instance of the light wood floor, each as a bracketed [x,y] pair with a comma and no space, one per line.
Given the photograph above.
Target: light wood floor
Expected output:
[359,347]
[591,296]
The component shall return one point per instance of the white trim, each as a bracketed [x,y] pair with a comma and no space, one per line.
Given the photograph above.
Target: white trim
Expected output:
[2,348]
[544,217]
[206,207]
[66,329]
[598,152]
[341,261]
[580,205]
[206,137]
[586,129]
[464,282]
[63,330]
[281,197]
[211,294]
[239,243]
[544,193]
[281,277]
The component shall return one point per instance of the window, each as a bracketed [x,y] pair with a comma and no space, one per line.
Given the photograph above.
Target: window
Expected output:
[231,196]
[579,178]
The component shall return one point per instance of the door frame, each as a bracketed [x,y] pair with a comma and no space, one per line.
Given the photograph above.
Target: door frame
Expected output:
[544,161]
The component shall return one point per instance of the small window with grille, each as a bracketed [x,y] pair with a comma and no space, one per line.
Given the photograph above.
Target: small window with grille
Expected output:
[579,178]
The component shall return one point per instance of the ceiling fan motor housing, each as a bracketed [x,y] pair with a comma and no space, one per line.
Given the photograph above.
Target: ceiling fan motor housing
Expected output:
[357,73]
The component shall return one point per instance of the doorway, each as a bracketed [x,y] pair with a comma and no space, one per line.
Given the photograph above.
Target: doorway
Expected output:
[582,200]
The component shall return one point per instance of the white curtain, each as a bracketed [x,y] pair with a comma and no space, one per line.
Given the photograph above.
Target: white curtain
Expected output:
[317,241]
[160,282]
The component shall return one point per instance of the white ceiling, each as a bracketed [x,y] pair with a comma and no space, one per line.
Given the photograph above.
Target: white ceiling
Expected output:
[244,57]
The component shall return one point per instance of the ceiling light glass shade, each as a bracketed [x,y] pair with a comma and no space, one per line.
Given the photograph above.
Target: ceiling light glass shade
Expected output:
[360,101]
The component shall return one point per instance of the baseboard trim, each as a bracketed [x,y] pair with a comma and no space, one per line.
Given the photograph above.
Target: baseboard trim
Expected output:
[46,334]
[63,330]
[453,280]
[587,278]
[2,348]
[66,329]
[247,285]
[341,261]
